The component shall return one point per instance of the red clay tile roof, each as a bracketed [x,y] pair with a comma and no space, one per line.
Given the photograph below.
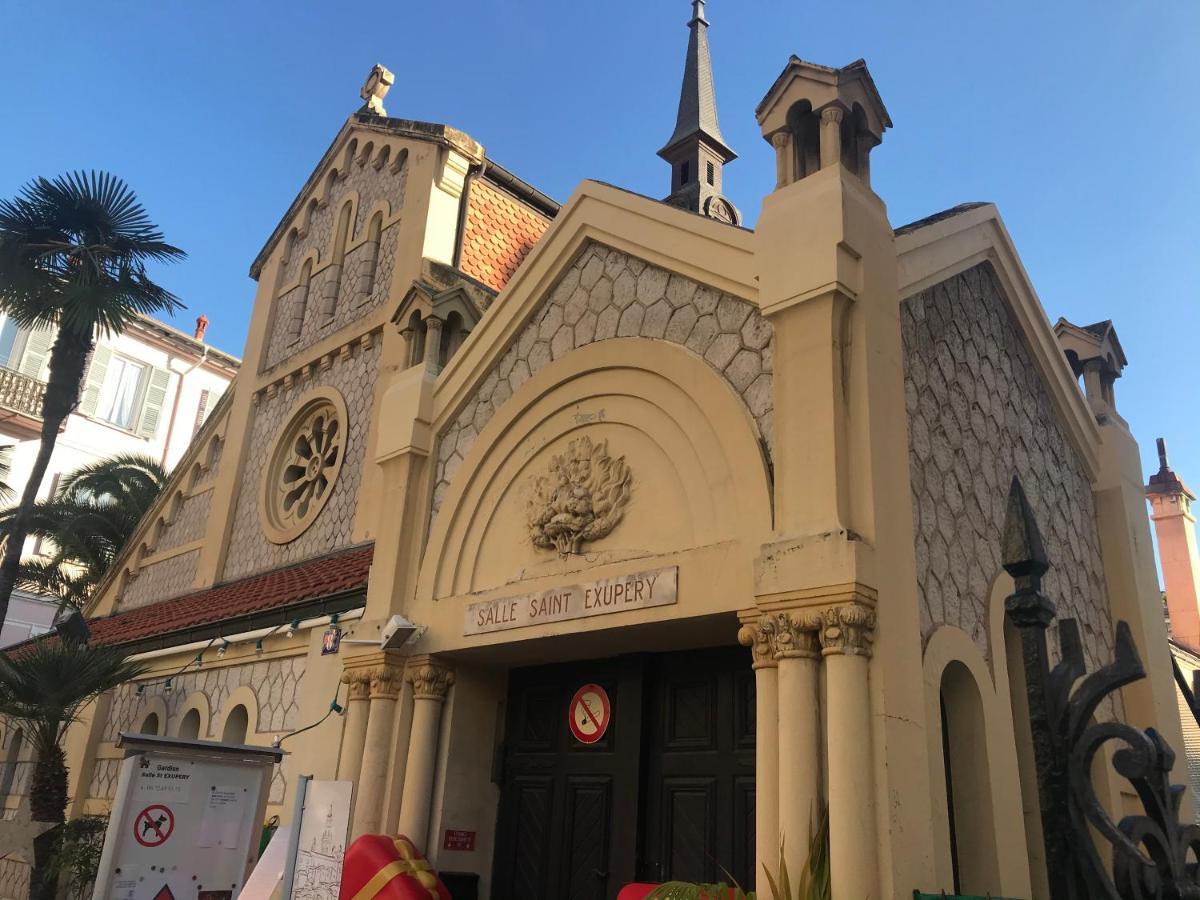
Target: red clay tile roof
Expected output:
[500,230]
[311,580]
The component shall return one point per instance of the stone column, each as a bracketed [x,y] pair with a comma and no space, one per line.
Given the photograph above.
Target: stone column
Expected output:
[430,682]
[831,135]
[782,142]
[846,640]
[384,686]
[354,735]
[798,654]
[759,638]
[433,343]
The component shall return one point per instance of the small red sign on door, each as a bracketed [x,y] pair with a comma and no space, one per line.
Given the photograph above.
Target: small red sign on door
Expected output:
[456,839]
[153,825]
[590,713]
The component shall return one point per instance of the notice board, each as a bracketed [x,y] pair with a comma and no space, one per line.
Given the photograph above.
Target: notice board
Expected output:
[186,820]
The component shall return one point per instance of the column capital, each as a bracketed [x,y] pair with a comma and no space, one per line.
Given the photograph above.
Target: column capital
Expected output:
[759,639]
[848,629]
[385,681]
[832,114]
[796,634]
[430,679]
[358,682]
[780,139]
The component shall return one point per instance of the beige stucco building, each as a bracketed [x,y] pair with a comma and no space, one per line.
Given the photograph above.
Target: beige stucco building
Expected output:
[747,484]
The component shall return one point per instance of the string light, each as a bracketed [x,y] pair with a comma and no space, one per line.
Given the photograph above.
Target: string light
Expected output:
[225,645]
[258,648]
[199,660]
[291,629]
[167,686]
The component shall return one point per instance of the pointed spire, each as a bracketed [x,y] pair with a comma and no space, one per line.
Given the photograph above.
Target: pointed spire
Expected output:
[697,114]
[1023,552]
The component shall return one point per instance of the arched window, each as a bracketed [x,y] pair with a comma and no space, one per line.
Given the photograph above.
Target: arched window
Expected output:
[805,126]
[416,328]
[366,277]
[299,303]
[235,726]
[333,278]
[451,338]
[969,810]
[11,760]
[189,727]
[149,724]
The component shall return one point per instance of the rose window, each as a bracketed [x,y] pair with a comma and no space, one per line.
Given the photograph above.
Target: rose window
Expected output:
[304,466]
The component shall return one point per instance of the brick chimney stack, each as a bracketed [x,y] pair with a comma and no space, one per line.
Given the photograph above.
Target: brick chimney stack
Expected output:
[1175,526]
[201,326]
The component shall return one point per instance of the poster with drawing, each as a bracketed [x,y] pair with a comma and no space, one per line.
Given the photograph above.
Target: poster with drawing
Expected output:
[322,842]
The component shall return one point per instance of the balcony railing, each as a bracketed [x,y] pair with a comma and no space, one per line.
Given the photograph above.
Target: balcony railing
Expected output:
[20,393]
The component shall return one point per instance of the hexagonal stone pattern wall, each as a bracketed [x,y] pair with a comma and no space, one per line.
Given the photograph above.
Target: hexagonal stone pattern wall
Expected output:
[162,580]
[609,294]
[978,412]
[276,685]
[249,549]
[372,185]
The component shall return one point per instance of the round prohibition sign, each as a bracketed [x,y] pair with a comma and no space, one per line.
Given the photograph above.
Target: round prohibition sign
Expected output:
[153,825]
[590,713]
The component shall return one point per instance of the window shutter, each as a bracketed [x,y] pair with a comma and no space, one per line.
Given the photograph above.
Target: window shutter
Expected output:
[101,356]
[37,351]
[156,396]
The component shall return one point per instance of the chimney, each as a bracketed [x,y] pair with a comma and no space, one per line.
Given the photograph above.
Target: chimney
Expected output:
[1175,527]
[201,326]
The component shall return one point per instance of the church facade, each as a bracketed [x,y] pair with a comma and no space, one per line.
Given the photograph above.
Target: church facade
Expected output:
[692,529]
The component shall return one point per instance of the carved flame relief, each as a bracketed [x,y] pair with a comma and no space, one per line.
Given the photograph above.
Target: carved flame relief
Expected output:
[582,498]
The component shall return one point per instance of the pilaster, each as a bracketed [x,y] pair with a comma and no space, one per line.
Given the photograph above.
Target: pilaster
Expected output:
[827,266]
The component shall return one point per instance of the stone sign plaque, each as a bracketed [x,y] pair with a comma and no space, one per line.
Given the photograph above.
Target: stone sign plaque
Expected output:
[639,590]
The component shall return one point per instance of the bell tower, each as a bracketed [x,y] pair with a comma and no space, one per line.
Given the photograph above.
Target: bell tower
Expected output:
[696,150]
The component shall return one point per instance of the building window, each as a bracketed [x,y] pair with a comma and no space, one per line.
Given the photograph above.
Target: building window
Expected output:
[712,173]
[120,394]
[8,341]
[685,173]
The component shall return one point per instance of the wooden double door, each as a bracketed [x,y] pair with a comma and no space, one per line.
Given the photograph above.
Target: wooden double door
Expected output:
[666,793]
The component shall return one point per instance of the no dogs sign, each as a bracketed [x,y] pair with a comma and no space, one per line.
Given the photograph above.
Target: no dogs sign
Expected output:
[153,825]
[590,713]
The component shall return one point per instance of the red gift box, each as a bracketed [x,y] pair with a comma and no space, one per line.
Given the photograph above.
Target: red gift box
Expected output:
[384,868]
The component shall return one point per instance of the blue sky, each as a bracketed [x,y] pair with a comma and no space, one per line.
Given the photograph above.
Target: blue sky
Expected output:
[1076,118]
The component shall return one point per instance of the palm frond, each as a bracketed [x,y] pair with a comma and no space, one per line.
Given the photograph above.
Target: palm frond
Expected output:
[45,684]
[73,253]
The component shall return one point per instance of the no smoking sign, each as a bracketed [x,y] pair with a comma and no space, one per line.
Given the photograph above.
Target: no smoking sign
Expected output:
[153,825]
[590,713]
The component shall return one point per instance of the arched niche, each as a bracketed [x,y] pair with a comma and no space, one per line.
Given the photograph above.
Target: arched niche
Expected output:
[242,701]
[151,717]
[971,720]
[678,425]
[193,720]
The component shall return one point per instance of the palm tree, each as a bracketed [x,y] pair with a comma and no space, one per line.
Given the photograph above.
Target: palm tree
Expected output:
[90,518]
[44,685]
[73,256]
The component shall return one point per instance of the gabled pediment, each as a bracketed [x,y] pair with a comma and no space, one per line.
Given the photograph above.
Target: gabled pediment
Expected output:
[941,246]
[820,86]
[364,139]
